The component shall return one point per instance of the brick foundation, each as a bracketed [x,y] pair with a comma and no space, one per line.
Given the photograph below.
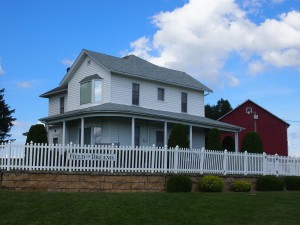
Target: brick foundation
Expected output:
[93,182]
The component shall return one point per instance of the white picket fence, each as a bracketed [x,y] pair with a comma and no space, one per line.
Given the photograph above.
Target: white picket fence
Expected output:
[142,160]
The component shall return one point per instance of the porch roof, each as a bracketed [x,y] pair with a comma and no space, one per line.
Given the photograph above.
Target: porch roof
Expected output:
[112,109]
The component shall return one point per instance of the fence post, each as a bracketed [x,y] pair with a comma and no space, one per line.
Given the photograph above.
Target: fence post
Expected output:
[165,158]
[277,164]
[69,156]
[202,154]
[8,155]
[264,163]
[176,159]
[153,149]
[225,162]
[245,163]
[30,155]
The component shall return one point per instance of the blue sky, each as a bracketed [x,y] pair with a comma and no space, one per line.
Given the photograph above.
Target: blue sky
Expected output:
[245,49]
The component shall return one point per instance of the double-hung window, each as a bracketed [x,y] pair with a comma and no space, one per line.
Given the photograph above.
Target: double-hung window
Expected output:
[160,94]
[183,102]
[91,89]
[135,94]
[62,105]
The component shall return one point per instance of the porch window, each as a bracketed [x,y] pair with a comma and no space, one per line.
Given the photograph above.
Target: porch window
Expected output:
[87,136]
[97,135]
[137,136]
[159,138]
[160,94]
[183,102]
[90,91]
[135,94]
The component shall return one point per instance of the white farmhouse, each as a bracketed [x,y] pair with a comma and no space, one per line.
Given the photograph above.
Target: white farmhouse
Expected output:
[126,101]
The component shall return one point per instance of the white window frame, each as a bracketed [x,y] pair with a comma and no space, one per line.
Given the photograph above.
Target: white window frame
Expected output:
[93,91]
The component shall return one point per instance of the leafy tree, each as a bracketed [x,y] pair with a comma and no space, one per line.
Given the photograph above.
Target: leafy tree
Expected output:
[228,143]
[252,143]
[216,111]
[37,134]
[6,119]
[214,140]
[179,136]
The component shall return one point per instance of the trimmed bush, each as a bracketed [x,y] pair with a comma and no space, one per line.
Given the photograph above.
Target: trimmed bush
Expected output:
[292,183]
[179,183]
[179,136]
[240,186]
[270,183]
[252,143]
[214,140]
[211,184]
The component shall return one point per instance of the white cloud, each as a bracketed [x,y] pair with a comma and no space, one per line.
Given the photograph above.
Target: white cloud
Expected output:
[1,70]
[256,67]
[67,62]
[200,36]
[232,81]
[24,84]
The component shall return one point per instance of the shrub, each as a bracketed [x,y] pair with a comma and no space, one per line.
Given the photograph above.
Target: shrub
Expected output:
[211,184]
[214,140]
[179,183]
[270,183]
[292,183]
[240,186]
[179,136]
[252,143]
[228,144]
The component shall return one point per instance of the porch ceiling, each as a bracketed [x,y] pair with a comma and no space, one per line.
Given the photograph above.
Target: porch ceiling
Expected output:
[111,109]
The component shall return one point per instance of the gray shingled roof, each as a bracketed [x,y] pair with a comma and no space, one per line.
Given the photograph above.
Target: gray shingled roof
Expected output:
[55,91]
[143,112]
[134,66]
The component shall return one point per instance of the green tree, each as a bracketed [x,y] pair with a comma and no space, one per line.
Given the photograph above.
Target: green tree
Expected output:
[6,119]
[179,136]
[214,140]
[216,111]
[252,143]
[228,143]
[37,134]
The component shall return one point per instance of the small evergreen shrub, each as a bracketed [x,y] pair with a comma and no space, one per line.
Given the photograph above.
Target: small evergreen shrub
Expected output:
[292,183]
[270,183]
[240,186]
[179,183]
[211,184]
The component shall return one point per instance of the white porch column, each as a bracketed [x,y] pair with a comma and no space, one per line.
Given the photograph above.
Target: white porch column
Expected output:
[64,134]
[82,132]
[191,137]
[132,132]
[236,139]
[165,133]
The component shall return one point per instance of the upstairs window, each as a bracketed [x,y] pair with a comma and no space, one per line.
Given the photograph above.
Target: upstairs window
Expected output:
[160,94]
[91,89]
[135,94]
[62,105]
[183,102]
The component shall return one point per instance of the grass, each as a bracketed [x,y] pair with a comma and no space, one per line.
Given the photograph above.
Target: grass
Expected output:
[45,208]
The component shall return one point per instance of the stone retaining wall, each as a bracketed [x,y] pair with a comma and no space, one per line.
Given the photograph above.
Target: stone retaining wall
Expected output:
[92,182]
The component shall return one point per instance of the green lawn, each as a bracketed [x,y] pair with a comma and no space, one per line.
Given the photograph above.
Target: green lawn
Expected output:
[40,208]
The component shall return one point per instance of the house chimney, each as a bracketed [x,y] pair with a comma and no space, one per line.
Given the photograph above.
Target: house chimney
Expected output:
[68,69]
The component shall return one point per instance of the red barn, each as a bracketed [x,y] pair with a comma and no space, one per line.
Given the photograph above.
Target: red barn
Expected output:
[252,117]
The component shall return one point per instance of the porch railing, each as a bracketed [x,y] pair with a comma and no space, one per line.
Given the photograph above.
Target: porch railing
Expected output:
[151,159]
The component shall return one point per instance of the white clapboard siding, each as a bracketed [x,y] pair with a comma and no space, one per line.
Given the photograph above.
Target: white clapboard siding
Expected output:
[54,104]
[87,68]
[122,94]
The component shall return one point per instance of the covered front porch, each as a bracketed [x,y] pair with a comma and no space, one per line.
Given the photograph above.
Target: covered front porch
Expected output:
[128,126]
